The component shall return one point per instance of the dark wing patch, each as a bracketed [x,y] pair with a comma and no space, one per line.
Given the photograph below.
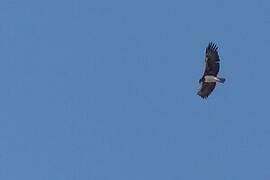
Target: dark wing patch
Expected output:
[206,89]
[211,60]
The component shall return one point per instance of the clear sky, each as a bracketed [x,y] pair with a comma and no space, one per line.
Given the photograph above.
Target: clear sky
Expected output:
[106,90]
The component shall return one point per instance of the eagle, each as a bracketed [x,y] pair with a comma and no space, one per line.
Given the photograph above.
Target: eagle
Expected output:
[210,78]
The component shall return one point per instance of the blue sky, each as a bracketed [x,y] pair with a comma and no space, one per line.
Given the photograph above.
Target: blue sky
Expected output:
[106,90]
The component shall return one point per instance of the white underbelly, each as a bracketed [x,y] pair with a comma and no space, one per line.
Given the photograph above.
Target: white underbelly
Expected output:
[210,79]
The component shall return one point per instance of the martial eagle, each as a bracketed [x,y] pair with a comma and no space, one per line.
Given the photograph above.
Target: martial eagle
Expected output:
[210,78]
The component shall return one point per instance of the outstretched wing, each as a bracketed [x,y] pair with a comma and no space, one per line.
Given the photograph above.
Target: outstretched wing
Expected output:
[206,89]
[211,60]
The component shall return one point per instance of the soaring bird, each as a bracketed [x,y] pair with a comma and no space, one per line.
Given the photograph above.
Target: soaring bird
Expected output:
[210,78]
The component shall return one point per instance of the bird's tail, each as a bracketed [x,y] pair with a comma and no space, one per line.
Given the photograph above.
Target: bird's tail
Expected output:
[221,80]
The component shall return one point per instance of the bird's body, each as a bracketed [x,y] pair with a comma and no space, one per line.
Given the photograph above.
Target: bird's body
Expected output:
[210,78]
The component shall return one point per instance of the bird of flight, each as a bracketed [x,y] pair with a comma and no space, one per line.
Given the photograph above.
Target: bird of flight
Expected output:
[210,78]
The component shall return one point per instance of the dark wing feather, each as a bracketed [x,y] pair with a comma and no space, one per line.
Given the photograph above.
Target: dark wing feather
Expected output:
[211,60]
[206,89]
